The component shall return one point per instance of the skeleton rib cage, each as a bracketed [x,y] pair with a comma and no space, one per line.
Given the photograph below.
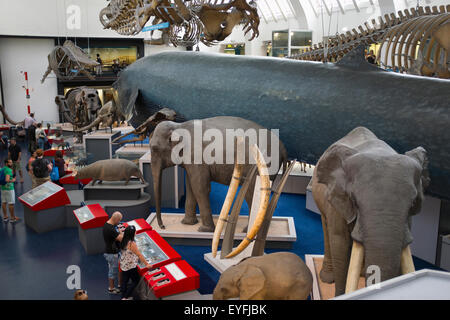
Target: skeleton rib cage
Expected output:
[415,41]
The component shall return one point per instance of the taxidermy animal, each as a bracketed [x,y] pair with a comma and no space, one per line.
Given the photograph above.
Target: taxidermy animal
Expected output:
[302,99]
[199,176]
[275,276]
[367,194]
[68,61]
[110,170]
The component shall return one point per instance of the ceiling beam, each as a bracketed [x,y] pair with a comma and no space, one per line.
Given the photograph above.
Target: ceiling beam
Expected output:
[340,6]
[356,6]
[326,7]
[271,12]
[262,13]
[279,7]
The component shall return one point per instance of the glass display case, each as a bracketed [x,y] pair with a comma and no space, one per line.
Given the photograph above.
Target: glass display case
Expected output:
[84,214]
[40,193]
[149,249]
[289,42]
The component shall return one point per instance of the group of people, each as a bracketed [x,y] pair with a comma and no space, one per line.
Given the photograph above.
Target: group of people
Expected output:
[120,248]
[37,167]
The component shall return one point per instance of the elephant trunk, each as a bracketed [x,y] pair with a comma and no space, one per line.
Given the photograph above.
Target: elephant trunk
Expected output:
[383,251]
[157,179]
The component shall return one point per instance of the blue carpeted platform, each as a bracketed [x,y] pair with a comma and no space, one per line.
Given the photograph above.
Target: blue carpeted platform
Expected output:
[33,266]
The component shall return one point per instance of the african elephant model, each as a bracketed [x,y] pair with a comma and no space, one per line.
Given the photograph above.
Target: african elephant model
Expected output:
[367,193]
[275,276]
[219,167]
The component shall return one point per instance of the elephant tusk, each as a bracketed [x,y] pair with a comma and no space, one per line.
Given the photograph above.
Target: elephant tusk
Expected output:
[354,268]
[263,203]
[234,184]
[406,261]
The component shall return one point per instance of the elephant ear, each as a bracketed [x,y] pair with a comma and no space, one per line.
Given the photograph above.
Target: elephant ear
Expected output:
[330,172]
[251,282]
[420,155]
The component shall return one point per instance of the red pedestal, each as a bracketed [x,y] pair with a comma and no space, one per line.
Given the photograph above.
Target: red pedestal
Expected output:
[52,152]
[4,127]
[140,224]
[97,220]
[69,179]
[173,278]
[45,196]
[170,253]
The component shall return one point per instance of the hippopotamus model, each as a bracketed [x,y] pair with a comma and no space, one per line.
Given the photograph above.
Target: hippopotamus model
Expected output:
[110,170]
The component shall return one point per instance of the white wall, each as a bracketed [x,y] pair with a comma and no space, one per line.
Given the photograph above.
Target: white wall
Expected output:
[51,18]
[30,55]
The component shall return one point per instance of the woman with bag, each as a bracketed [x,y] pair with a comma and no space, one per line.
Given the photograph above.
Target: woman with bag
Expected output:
[59,168]
[130,255]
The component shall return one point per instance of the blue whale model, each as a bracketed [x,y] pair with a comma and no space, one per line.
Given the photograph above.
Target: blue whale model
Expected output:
[313,104]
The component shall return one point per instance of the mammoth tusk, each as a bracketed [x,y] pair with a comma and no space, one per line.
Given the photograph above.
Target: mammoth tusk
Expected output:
[263,203]
[406,261]
[234,184]
[354,268]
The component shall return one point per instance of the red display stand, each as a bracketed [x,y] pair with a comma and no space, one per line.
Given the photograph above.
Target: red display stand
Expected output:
[46,196]
[155,249]
[52,152]
[4,127]
[140,224]
[173,278]
[91,216]
[70,179]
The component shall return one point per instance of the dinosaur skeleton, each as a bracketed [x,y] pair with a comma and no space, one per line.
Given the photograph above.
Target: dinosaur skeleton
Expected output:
[415,41]
[68,61]
[191,21]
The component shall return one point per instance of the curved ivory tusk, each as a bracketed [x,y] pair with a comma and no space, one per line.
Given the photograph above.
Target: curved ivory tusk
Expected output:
[234,184]
[354,268]
[263,203]
[406,261]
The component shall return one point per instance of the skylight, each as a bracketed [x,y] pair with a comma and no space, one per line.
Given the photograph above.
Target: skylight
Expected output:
[275,10]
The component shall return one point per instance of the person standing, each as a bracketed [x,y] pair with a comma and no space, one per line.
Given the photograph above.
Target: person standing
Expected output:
[30,161]
[112,238]
[29,120]
[41,169]
[98,69]
[15,153]
[129,257]
[40,136]
[371,57]
[31,135]
[8,195]
[60,164]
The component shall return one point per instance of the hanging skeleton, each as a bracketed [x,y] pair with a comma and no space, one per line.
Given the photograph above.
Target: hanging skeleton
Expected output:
[68,61]
[415,42]
[191,21]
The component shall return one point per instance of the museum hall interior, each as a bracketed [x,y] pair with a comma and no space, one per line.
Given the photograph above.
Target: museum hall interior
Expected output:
[205,150]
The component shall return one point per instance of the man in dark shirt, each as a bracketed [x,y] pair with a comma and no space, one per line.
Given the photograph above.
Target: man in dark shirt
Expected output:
[112,239]
[32,145]
[14,153]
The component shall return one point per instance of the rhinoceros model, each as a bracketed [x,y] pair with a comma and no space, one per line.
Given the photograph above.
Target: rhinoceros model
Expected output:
[110,170]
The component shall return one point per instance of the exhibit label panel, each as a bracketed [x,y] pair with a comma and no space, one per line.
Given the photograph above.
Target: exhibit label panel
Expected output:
[45,196]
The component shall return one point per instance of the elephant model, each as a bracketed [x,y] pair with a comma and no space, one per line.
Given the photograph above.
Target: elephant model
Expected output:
[200,174]
[275,276]
[367,194]
[107,115]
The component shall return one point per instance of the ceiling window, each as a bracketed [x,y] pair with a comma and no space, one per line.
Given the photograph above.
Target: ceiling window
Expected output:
[275,10]
[329,6]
